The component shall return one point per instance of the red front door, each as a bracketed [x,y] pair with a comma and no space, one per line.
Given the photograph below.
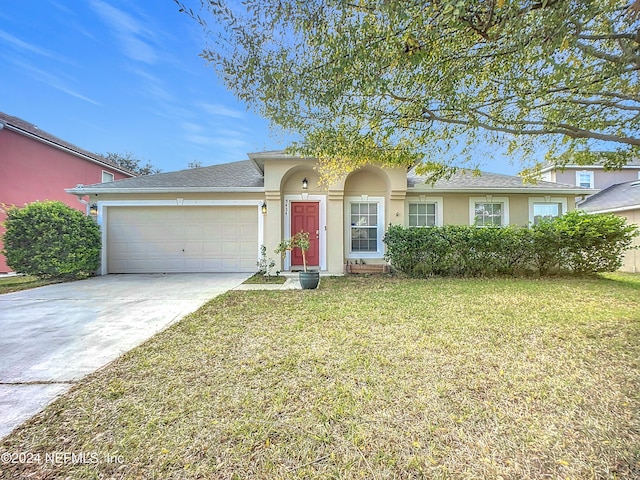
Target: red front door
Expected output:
[306,216]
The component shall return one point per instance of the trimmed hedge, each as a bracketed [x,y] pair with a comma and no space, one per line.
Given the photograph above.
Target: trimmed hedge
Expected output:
[51,240]
[576,242]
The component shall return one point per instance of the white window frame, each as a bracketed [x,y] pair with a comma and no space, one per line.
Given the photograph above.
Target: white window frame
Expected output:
[380,201]
[425,200]
[489,199]
[104,172]
[548,199]
[591,178]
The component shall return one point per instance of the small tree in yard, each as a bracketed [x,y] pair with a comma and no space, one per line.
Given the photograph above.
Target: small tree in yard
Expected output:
[299,240]
[51,240]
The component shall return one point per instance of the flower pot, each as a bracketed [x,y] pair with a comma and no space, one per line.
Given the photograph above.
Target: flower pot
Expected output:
[309,280]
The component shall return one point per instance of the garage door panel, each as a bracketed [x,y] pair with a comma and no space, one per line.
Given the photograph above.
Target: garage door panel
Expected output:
[182,239]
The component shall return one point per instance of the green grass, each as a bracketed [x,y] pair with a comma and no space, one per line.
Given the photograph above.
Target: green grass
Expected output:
[368,378]
[16,283]
[259,278]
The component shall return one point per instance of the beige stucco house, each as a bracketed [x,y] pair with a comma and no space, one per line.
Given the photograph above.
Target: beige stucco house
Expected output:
[215,219]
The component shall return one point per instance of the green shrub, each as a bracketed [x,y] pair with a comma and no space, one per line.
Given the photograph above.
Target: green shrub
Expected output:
[51,240]
[577,242]
[592,243]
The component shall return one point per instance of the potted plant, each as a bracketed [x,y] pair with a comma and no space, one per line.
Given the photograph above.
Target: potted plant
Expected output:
[308,280]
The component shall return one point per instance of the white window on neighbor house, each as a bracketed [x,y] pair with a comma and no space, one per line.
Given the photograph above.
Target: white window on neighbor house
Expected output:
[546,208]
[365,216]
[107,177]
[424,212]
[489,211]
[584,179]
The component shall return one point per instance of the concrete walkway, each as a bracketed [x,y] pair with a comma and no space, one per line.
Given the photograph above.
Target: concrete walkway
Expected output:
[53,336]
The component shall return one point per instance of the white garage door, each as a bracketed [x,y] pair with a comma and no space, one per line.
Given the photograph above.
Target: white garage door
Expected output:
[182,239]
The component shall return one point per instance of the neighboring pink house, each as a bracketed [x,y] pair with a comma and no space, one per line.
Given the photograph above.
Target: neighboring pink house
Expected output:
[591,176]
[35,165]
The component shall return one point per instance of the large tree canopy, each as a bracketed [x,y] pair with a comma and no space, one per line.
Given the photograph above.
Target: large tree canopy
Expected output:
[380,80]
[131,163]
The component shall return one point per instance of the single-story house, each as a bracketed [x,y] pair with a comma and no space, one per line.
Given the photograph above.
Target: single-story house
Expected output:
[215,219]
[623,199]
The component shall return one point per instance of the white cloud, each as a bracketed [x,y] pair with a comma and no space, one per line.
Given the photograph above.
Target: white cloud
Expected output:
[134,37]
[22,45]
[53,81]
[221,111]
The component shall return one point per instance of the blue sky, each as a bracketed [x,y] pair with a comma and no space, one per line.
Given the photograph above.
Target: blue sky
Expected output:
[124,76]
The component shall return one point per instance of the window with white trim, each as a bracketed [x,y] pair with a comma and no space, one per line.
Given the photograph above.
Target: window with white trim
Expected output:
[423,214]
[489,211]
[546,208]
[107,177]
[365,217]
[364,227]
[546,211]
[488,214]
[584,179]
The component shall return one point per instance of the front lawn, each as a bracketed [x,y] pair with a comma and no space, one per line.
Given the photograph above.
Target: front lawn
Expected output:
[366,378]
[15,283]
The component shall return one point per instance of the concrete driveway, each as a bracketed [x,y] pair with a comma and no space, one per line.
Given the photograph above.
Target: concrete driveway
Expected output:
[53,336]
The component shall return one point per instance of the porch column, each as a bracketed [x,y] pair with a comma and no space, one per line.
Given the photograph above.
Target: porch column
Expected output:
[335,231]
[273,231]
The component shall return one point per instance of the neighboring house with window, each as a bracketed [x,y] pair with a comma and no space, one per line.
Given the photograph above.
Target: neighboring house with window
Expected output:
[618,193]
[214,219]
[591,176]
[35,165]
[622,199]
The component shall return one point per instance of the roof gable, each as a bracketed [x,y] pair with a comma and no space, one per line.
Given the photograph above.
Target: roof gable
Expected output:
[621,196]
[27,129]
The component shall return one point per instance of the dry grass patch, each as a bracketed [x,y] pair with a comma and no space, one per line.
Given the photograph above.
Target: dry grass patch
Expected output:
[16,283]
[368,378]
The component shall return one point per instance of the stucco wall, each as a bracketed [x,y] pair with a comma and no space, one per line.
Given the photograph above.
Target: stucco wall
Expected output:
[601,179]
[34,171]
[456,206]
[631,261]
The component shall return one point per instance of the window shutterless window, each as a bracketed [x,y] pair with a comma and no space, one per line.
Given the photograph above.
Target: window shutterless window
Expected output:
[107,177]
[489,214]
[422,214]
[543,211]
[364,227]
[584,179]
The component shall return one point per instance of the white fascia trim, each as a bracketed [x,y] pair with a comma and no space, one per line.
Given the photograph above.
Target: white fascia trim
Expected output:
[439,201]
[103,216]
[97,191]
[489,199]
[547,199]
[347,226]
[322,199]
[614,210]
[489,190]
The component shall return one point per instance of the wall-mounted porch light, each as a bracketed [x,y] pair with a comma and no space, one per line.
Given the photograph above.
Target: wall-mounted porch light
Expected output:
[305,183]
[264,208]
[93,210]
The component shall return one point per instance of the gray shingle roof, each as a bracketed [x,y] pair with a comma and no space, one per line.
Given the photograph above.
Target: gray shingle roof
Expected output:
[550,165]
[619,196]
[236,175]
[21,126]
[486,181]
